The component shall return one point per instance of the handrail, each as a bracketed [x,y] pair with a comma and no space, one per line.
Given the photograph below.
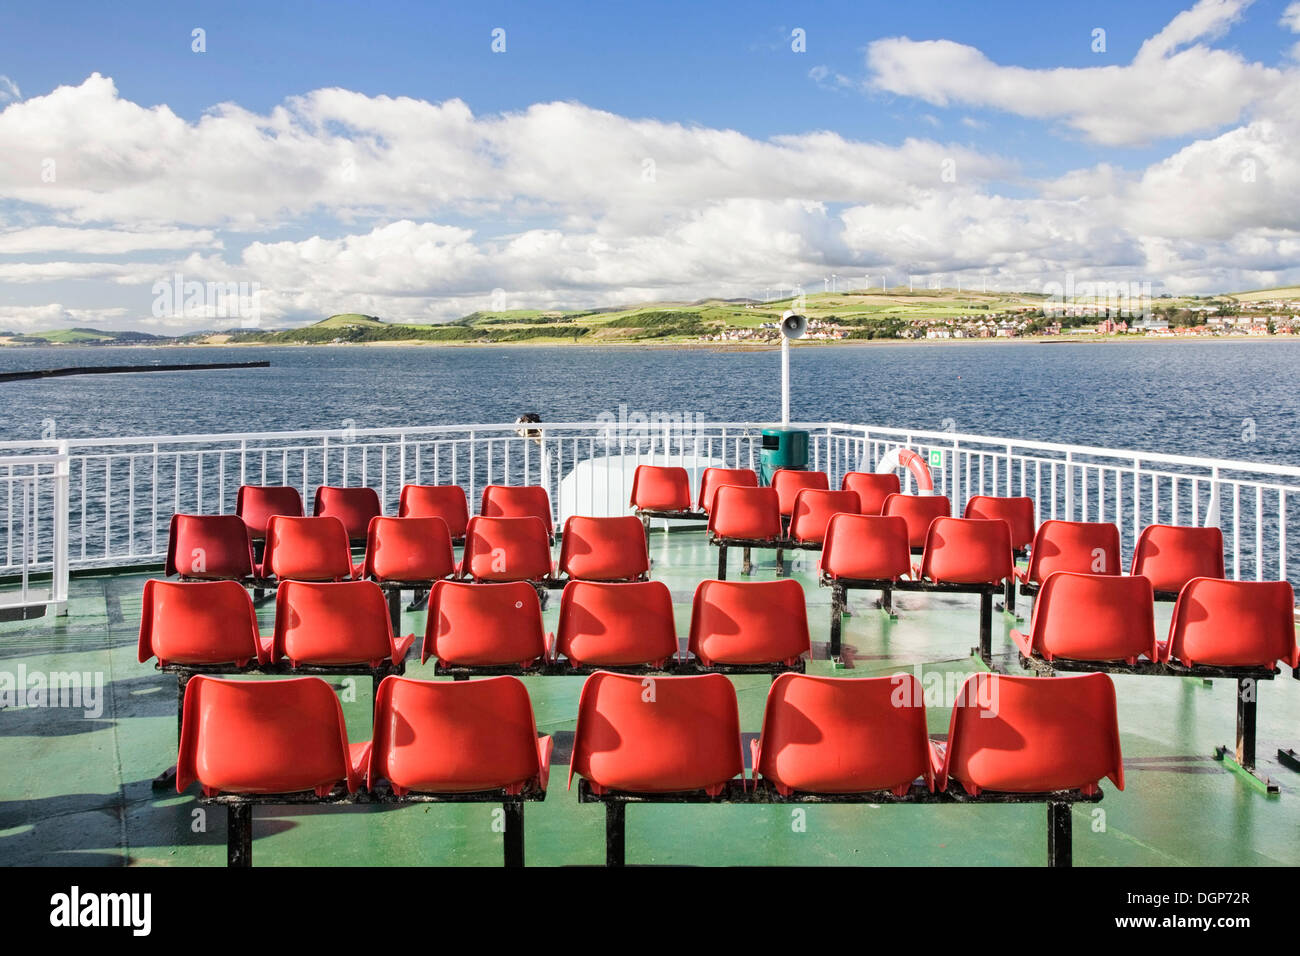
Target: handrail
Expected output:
[868,431]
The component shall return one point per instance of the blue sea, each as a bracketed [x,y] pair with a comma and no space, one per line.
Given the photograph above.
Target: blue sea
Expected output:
[1215,399]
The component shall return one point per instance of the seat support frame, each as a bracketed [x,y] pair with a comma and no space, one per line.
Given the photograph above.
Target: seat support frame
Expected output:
[239,813]
[562,668]
[746,567]
[1059,803]
[1241,758]
[839,602]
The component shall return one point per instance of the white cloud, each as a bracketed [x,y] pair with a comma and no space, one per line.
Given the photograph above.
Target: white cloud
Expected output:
[355,156]
[9,89]
[338,201]
[28,318]
[1175,86]
[1291,18]
[101,241]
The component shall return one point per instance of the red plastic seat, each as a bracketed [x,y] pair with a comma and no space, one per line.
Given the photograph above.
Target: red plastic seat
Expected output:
[200,622]
[1017,512]
[749,622]
[844,735]
[866,548]
[813,510]
[660,488]
[266,736]
[788,484]
[657,735]
[353,506]
[872,489]
[307,549]
[1233,624]
[1091,617]
[257,503]
[745,513]
[616,625]
[209,548]
[335,624]
[715,478]
[507,549]
[1033,735]
[457,737]
[517,501]
[403,550]
[447,502]
[604,549]
[1171,555]
[967,551]
[918,511]
[484,625]
[1085,547]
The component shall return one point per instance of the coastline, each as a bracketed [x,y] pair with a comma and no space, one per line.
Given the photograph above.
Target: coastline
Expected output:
[682,346]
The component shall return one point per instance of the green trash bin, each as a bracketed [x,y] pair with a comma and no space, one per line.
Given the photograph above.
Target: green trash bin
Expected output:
[782,448]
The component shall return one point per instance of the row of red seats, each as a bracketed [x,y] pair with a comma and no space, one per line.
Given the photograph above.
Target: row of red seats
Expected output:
[1234,629]
[212,624]
[356,506]
[411,551]
[799,505]
[664,491]
[668,739]
[873,548]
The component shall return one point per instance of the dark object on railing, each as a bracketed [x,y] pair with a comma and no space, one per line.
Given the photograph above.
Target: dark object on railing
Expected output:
[115,369]
[529,418]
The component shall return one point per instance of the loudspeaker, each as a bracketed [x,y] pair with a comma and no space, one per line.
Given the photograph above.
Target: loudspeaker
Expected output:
[793,326]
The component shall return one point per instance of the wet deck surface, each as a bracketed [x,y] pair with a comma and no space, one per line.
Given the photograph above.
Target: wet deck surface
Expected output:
[75,789]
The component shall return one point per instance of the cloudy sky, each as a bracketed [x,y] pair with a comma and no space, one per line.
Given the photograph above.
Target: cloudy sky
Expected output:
[419,162]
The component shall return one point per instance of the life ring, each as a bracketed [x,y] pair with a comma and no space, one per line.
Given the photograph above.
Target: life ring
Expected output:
[906,458]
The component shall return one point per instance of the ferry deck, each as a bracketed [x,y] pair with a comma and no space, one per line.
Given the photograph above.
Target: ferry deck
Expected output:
[78,780]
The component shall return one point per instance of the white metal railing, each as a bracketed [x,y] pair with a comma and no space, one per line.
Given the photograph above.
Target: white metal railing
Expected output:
[122,492]
[34,510]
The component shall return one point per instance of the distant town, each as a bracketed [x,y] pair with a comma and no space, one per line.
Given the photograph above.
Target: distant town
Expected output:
[1217,317]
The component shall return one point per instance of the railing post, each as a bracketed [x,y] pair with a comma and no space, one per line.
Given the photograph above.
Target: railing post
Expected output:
[1137,500]
[59,581]
[1069,486]
[472,476]
[401,461]
[954,490]
[1281,534]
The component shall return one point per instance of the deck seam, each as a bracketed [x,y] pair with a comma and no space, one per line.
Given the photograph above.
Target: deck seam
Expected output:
[123,841]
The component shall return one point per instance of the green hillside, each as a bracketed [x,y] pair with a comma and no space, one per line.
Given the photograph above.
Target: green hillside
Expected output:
[877,314]
[348,320]
[80,336]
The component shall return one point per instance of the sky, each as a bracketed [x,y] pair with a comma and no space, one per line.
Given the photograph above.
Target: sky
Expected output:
[419,161]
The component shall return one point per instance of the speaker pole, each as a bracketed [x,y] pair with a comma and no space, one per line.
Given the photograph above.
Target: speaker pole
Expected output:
[785,382]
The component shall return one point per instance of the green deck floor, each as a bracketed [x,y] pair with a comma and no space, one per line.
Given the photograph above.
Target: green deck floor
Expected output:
[76,790]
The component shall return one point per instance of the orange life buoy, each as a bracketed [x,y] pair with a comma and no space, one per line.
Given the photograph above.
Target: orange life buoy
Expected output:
[906,458]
